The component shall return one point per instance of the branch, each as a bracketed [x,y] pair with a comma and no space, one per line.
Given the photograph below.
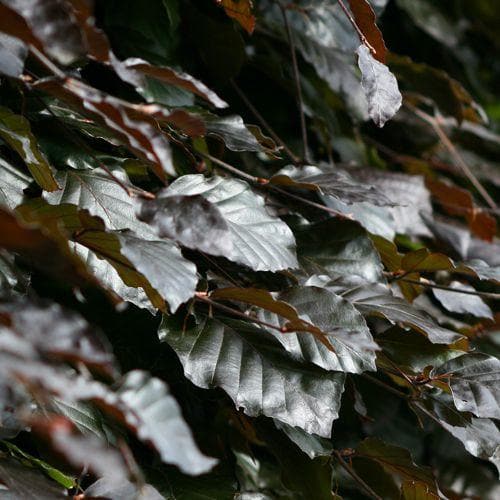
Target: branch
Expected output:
[486,295]
[296,76]
[355,476]
[356,27]
[265,123]
[434,123]
[262,182]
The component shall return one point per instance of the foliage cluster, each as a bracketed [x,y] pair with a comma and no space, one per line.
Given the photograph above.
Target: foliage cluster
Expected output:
[248,249]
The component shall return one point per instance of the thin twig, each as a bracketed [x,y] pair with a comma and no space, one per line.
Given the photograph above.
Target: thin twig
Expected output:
[265,123]
[355,476]
[434,123]
[296,76]
[48,63]
[356,27]
[203,298]
[487,295]
[387,387]
[266,184]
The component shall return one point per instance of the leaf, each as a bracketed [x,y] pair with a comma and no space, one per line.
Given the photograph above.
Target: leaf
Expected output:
[344,327]
[95,191]
[45,23]
[163,265]
[458,201]
[366,22]
[232,131]
[480,436]
[15,130]
[48,253]
[260,241]
[13,184]
[330,181]
[422,260]
[417,490]
[462,303]
[138,72]
[380,86]
[97,43]
[313,446]
[154,415]
[474,382]
[192,221]
[81,452]
[135,126]
[414,352]
[256,372]
[57,333]
[241,11]
[338,247]
[395,460]
[13,53]
[375,300]
[448,94]
[265,300]
[26,482]
[109,487]
[407,192]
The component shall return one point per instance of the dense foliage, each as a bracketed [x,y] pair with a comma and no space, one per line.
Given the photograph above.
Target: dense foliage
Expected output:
[248,249]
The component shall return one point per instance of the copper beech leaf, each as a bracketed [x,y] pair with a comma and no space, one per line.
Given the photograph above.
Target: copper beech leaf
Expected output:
[15,130]
[13,53]
[136,126]
[395,460]
[192,221]
[352,350]
[241,11]
[366,22]
[256,372]
[474,380]
[48,24]
[259,240]
[380,86]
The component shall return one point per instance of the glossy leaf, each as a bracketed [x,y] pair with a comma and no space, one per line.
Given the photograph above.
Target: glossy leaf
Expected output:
[473,380]
[353,346]
[234,355]
[241,11]
[14,181]
[13,53]
[380,86]
[46,22]
[192,221]
[462,303]
[366,22]
[15,131]
[260,241]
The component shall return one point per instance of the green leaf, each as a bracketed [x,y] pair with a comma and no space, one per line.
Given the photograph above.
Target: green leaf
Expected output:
[257,373]
[15,130]
[26,482]
[338,247]
[474,379]
[313,446]
[260,241]
[417,490]
[380,86]
[345,328]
